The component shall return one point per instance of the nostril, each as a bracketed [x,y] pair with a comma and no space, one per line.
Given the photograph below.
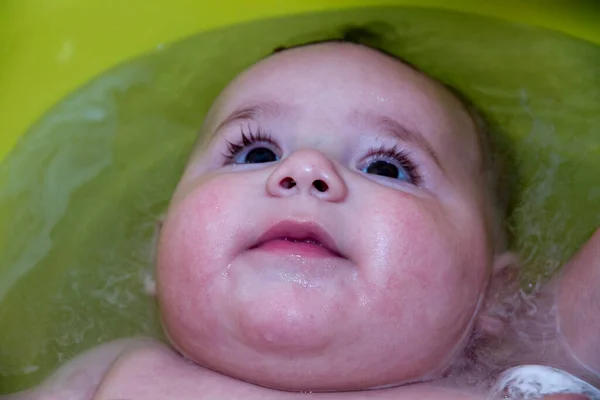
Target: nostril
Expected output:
[320,185]
[287,183]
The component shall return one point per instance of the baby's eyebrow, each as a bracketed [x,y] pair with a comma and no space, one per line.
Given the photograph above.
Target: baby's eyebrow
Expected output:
[253,111]
[396,129]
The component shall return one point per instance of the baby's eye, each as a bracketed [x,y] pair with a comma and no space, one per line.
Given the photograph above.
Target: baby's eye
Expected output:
[387,169]
[259,155]
[391,163]
[252,149]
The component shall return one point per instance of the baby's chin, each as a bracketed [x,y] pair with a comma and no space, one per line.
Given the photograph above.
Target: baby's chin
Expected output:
[289,305]
[289,335]
[292,308]
[289,319]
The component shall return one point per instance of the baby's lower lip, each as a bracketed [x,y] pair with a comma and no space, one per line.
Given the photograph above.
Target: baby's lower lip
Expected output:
[307,249]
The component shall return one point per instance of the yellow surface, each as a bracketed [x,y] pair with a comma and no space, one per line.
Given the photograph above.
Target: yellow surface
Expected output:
[50,47]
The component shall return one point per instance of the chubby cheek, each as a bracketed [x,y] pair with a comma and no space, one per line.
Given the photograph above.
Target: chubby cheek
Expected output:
[427,269]
[193,254]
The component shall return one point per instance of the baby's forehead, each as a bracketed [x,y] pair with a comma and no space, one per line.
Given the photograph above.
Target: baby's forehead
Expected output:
[336,81]
[338,71]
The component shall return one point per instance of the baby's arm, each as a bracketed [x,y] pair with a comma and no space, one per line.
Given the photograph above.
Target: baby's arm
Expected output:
[80,377]
[578,302]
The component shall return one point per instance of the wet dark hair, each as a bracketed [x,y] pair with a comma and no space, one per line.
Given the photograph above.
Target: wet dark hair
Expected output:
[499,199]
[362,35]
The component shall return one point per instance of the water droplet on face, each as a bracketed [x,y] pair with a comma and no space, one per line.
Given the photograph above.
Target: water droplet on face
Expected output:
[226,271]
[269,337]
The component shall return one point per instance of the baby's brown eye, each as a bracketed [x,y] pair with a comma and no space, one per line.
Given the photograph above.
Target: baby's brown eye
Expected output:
[259,155]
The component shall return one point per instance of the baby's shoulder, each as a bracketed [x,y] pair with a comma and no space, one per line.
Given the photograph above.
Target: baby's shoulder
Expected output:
[139,369]
[80,378]
[155,372]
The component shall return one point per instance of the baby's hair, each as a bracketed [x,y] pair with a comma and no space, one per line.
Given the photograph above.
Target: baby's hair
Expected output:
[356,35]
[498,200]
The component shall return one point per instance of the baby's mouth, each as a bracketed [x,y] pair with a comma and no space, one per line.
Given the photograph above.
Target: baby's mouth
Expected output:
[298,239]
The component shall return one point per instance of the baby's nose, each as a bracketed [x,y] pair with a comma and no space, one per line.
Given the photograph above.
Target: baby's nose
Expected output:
[307,172]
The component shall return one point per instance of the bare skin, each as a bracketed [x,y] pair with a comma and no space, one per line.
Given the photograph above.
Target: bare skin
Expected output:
[342,248]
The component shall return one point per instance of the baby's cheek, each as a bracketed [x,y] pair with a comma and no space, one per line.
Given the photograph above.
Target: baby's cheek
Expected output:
[427,271]
[193,246]
[183,284]
[200,227]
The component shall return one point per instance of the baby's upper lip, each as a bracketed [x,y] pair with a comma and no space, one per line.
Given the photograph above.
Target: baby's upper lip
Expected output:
[300,231]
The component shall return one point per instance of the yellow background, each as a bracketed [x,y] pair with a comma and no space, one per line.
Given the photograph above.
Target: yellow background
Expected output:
[50,47]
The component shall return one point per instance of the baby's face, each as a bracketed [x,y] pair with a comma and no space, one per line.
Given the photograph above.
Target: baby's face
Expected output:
[331,235]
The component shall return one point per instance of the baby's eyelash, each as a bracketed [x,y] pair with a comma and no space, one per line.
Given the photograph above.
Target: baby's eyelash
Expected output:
[402,157]
[247,138]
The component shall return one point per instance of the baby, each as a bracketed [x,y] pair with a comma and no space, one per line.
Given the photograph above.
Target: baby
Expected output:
[334,233]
